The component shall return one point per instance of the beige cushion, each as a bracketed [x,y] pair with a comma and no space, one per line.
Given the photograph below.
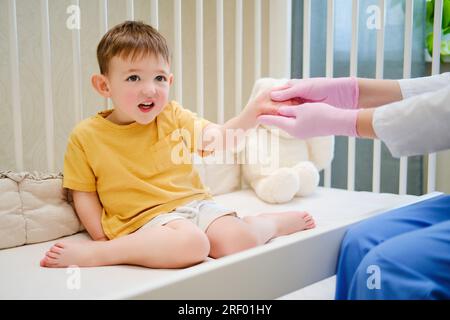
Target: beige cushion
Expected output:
[34,208]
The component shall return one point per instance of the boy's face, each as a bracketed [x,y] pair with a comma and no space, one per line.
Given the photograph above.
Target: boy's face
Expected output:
[139,89]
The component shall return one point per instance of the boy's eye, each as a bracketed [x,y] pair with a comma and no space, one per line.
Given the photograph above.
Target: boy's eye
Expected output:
[161,78]
[133,78]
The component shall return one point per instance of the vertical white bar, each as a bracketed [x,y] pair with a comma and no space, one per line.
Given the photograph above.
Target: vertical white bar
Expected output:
[329,67]
[199,56]
[379,66]
[238,58]
[154,14]
[354,44]
[15,85]
[257,39]
[130,9]
[48,96]
[403,179]
[103,17]
[379,72]
[330,39]
[280,15]
[435,67]
[220,62]
[353,73]
[103,29]
[178,53]
[76,55]
[306,38]
[407,54]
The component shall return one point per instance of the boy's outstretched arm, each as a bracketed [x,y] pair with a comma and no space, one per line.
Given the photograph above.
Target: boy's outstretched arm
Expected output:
[216,137]
[89,210]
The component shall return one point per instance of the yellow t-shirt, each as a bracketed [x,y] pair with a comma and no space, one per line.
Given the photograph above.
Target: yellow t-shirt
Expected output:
[137,170]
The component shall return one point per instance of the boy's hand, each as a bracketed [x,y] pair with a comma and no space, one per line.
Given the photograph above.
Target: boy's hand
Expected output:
[258,106]
[262,104]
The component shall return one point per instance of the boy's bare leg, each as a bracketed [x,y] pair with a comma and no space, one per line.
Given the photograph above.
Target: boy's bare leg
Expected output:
[230,234]
[177,244]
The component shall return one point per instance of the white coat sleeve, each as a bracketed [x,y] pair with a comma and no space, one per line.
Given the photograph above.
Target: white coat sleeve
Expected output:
[417,125]
[416,86]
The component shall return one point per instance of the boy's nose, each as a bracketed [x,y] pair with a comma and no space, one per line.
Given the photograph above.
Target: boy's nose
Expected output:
[149,90]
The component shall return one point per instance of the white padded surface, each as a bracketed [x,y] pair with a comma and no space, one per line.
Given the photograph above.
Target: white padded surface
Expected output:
[21,277]
[322,290]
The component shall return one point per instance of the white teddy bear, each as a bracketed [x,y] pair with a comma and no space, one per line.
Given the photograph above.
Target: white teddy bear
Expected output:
[278,166]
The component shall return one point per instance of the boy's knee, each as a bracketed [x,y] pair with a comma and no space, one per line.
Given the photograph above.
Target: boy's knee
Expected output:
[232,241]
[193,248]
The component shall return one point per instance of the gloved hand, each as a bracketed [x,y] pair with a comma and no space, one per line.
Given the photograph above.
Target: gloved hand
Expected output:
[313,119]
[339,92]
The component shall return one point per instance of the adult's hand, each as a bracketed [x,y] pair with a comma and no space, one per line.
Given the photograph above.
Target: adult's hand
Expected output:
[339,92]
[313,119]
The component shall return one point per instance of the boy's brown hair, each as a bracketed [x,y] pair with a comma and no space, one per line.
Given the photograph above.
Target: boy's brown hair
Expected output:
[133,38]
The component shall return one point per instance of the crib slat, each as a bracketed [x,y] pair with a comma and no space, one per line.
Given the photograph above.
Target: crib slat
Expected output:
[103,6]
[376,170]
[351,164]
[257,35]
[329,67]
[435,67]
[76,56]
[15,85]
[330,39]
[354,44]
[220,62]
[48,96]
[380,42]
[154,14]
[238,58]
[178,54]
[130,9]
[407,54]
[280,24]
[409,11]
[306,38]
[199,56]
[353,73]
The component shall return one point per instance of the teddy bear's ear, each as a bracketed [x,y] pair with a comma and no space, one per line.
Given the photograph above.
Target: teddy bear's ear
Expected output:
[264,84]
[259,85]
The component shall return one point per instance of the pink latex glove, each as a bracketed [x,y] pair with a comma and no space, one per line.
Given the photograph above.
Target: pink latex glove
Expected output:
[339,92]
[312,120]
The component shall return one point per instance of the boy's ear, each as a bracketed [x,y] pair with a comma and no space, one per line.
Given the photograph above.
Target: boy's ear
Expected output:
[100,84]
[170,79]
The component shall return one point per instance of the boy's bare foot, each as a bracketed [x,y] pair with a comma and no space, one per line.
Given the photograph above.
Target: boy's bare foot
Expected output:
[62,255]
[290,222]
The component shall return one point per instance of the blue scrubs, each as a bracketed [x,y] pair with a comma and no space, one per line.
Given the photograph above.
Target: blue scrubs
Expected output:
[401,254]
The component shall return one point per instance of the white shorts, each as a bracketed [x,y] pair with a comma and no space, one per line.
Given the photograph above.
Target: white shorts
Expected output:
[200,212]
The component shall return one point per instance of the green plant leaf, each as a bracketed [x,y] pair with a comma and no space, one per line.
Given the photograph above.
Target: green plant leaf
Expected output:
[430,12]
[445,43]
[446,15]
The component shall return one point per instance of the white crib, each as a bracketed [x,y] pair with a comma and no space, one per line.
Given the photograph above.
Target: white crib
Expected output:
[235,43]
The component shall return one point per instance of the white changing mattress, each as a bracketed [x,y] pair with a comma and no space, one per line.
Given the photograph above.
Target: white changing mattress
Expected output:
[284,265]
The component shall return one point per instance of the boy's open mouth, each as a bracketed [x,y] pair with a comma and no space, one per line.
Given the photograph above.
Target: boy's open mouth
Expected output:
[146,107]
